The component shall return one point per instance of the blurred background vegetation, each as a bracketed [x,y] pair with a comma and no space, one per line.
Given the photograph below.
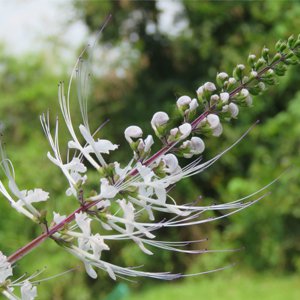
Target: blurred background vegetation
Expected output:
[140,68]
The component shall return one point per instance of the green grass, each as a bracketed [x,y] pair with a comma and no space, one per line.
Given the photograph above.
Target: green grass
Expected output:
[231,286]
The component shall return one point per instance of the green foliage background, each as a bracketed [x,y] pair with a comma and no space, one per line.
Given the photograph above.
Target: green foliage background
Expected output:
[156,69]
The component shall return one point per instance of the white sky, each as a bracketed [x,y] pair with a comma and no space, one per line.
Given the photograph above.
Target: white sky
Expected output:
[25,24]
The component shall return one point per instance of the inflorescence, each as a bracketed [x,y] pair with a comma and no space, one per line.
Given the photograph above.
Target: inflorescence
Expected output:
[129,197]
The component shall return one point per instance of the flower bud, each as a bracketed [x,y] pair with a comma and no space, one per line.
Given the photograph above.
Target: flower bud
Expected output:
[158,123]
[249,100]
[261,86]
[193,105]
[229,84]
[251,60]
[221,78]
[204,92]
[185,130]
[213,121]
[259,63]
[148,143]
[233,109]
[183,102]
[253,74]
[291,41]
[132,132]
[244,93]
[200,91]
[192,147]
[180,133]
[278,45]
[171,163]
[218,130]
[209,86]
[215,124]
[197,145]
[276,57]
[224,97]
[238,72]
[265,54]
[214,99]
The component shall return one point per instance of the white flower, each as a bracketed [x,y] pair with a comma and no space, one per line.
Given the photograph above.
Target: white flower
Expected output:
[101,146]
[132,132]
[5,268]
[145,172]
[128,214]
[107,191]
[84,223]
[75,165]
[28,291]
[31,196]
[57,218]
[97,147]
[97,245]
[122,173]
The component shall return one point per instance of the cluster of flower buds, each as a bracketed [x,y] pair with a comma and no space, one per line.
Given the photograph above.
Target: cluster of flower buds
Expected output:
[141,185]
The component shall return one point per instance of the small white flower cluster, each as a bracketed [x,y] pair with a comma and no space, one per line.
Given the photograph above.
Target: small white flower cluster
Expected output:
[28,291]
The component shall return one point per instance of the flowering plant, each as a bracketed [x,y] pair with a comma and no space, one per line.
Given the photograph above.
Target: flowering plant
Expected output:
[130,195]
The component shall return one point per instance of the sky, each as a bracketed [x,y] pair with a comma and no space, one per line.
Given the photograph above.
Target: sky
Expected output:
[26,24]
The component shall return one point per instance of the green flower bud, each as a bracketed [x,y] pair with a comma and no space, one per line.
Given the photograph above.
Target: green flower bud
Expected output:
[238,72]
[265,54]
[251,60]
[221,78]
[291,41]
[276,57]
[261,62]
